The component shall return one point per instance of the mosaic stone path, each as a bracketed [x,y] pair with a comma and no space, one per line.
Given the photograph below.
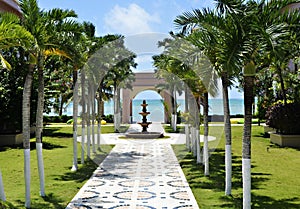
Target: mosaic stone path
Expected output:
[138,174]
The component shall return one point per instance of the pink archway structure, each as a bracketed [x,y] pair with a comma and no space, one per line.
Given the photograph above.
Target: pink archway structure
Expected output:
[10,6]
[143,81]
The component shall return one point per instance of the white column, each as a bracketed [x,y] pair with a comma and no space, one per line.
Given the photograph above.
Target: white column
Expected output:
[198,148]
[228,169]
[39,152]
[27,177]
[187,136]
[206,156]
[246,169]
[2,194]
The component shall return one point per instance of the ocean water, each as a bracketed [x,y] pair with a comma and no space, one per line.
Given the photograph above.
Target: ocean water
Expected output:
[156,109]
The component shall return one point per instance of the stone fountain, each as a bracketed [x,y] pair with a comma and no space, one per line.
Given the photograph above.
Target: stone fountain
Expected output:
[144,114]
[144,134]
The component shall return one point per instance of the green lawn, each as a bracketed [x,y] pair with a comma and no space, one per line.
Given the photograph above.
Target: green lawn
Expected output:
[275,174]
[61,183]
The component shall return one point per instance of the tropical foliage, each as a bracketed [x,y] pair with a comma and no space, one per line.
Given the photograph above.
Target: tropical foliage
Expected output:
[46,54]
[242,38]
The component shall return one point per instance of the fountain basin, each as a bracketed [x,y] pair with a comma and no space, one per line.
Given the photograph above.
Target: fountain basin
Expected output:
[144,135]
[144,113]
[145,124]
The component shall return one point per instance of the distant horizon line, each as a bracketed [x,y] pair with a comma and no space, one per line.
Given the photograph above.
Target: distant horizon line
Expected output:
[183,99]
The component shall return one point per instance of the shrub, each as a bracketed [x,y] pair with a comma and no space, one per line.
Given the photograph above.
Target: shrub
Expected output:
[65,118]
[57,119]
[108,118]
[179,118]
[285,119]
[70,121]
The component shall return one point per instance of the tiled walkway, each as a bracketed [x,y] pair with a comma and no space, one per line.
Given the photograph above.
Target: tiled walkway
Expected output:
[137,174]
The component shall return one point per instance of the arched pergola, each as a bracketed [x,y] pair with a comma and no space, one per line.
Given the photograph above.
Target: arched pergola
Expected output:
[143,82]
[10,6]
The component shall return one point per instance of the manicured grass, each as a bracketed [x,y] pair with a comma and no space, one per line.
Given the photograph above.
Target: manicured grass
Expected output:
[169,129]
[61,183]
[241,121]
[275,173]
[68,129]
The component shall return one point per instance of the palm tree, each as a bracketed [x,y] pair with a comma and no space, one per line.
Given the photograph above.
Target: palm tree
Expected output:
[191,52]
[13,34]
[180,58]
[217,37]
[44,27]
[98,73]
[120,73]
[255,35]
[168,68]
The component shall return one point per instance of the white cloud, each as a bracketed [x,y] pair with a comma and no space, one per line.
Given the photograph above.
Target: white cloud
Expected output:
[131,20]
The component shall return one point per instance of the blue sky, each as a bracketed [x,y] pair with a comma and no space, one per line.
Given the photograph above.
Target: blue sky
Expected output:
[142,22]
[128,17]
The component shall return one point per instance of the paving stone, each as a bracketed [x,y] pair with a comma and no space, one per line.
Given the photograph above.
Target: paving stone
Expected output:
[137,174]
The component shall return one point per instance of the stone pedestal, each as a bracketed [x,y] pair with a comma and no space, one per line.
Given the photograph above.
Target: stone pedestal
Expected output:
[11,139]
[285,140]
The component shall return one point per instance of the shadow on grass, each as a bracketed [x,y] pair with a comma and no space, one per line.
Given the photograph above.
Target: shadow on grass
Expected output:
[5,148]
[262,135]
[259,201]
[6,205]
[49,201]
[169,129]
[46,146]
[55,201]
[54,132]
[216,181]
[85,171]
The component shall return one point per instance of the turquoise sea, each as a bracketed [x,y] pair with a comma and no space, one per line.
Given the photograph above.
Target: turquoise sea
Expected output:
[155,107]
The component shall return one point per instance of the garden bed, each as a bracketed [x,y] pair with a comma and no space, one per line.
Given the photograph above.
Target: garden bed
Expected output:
[285,140]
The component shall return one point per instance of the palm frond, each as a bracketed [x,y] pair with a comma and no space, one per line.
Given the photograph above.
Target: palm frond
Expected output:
[4,63]
[58,52]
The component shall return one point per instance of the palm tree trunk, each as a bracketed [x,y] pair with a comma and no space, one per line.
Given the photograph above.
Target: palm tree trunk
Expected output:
[75,114]
[88,122]
[26,131]
[61,104]
[99,122]
[283,91]
[115,109]
[194,141]
[246,159]
[101,108]
[188,137]
[197,128]
[186,127]
[174,114]
[198,146]
[118,109]
[92,96]
[227,127]
[83,115]
[39,126]
[2,194]
[205,147]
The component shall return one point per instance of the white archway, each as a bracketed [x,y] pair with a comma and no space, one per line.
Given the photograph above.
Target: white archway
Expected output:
[155,106]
